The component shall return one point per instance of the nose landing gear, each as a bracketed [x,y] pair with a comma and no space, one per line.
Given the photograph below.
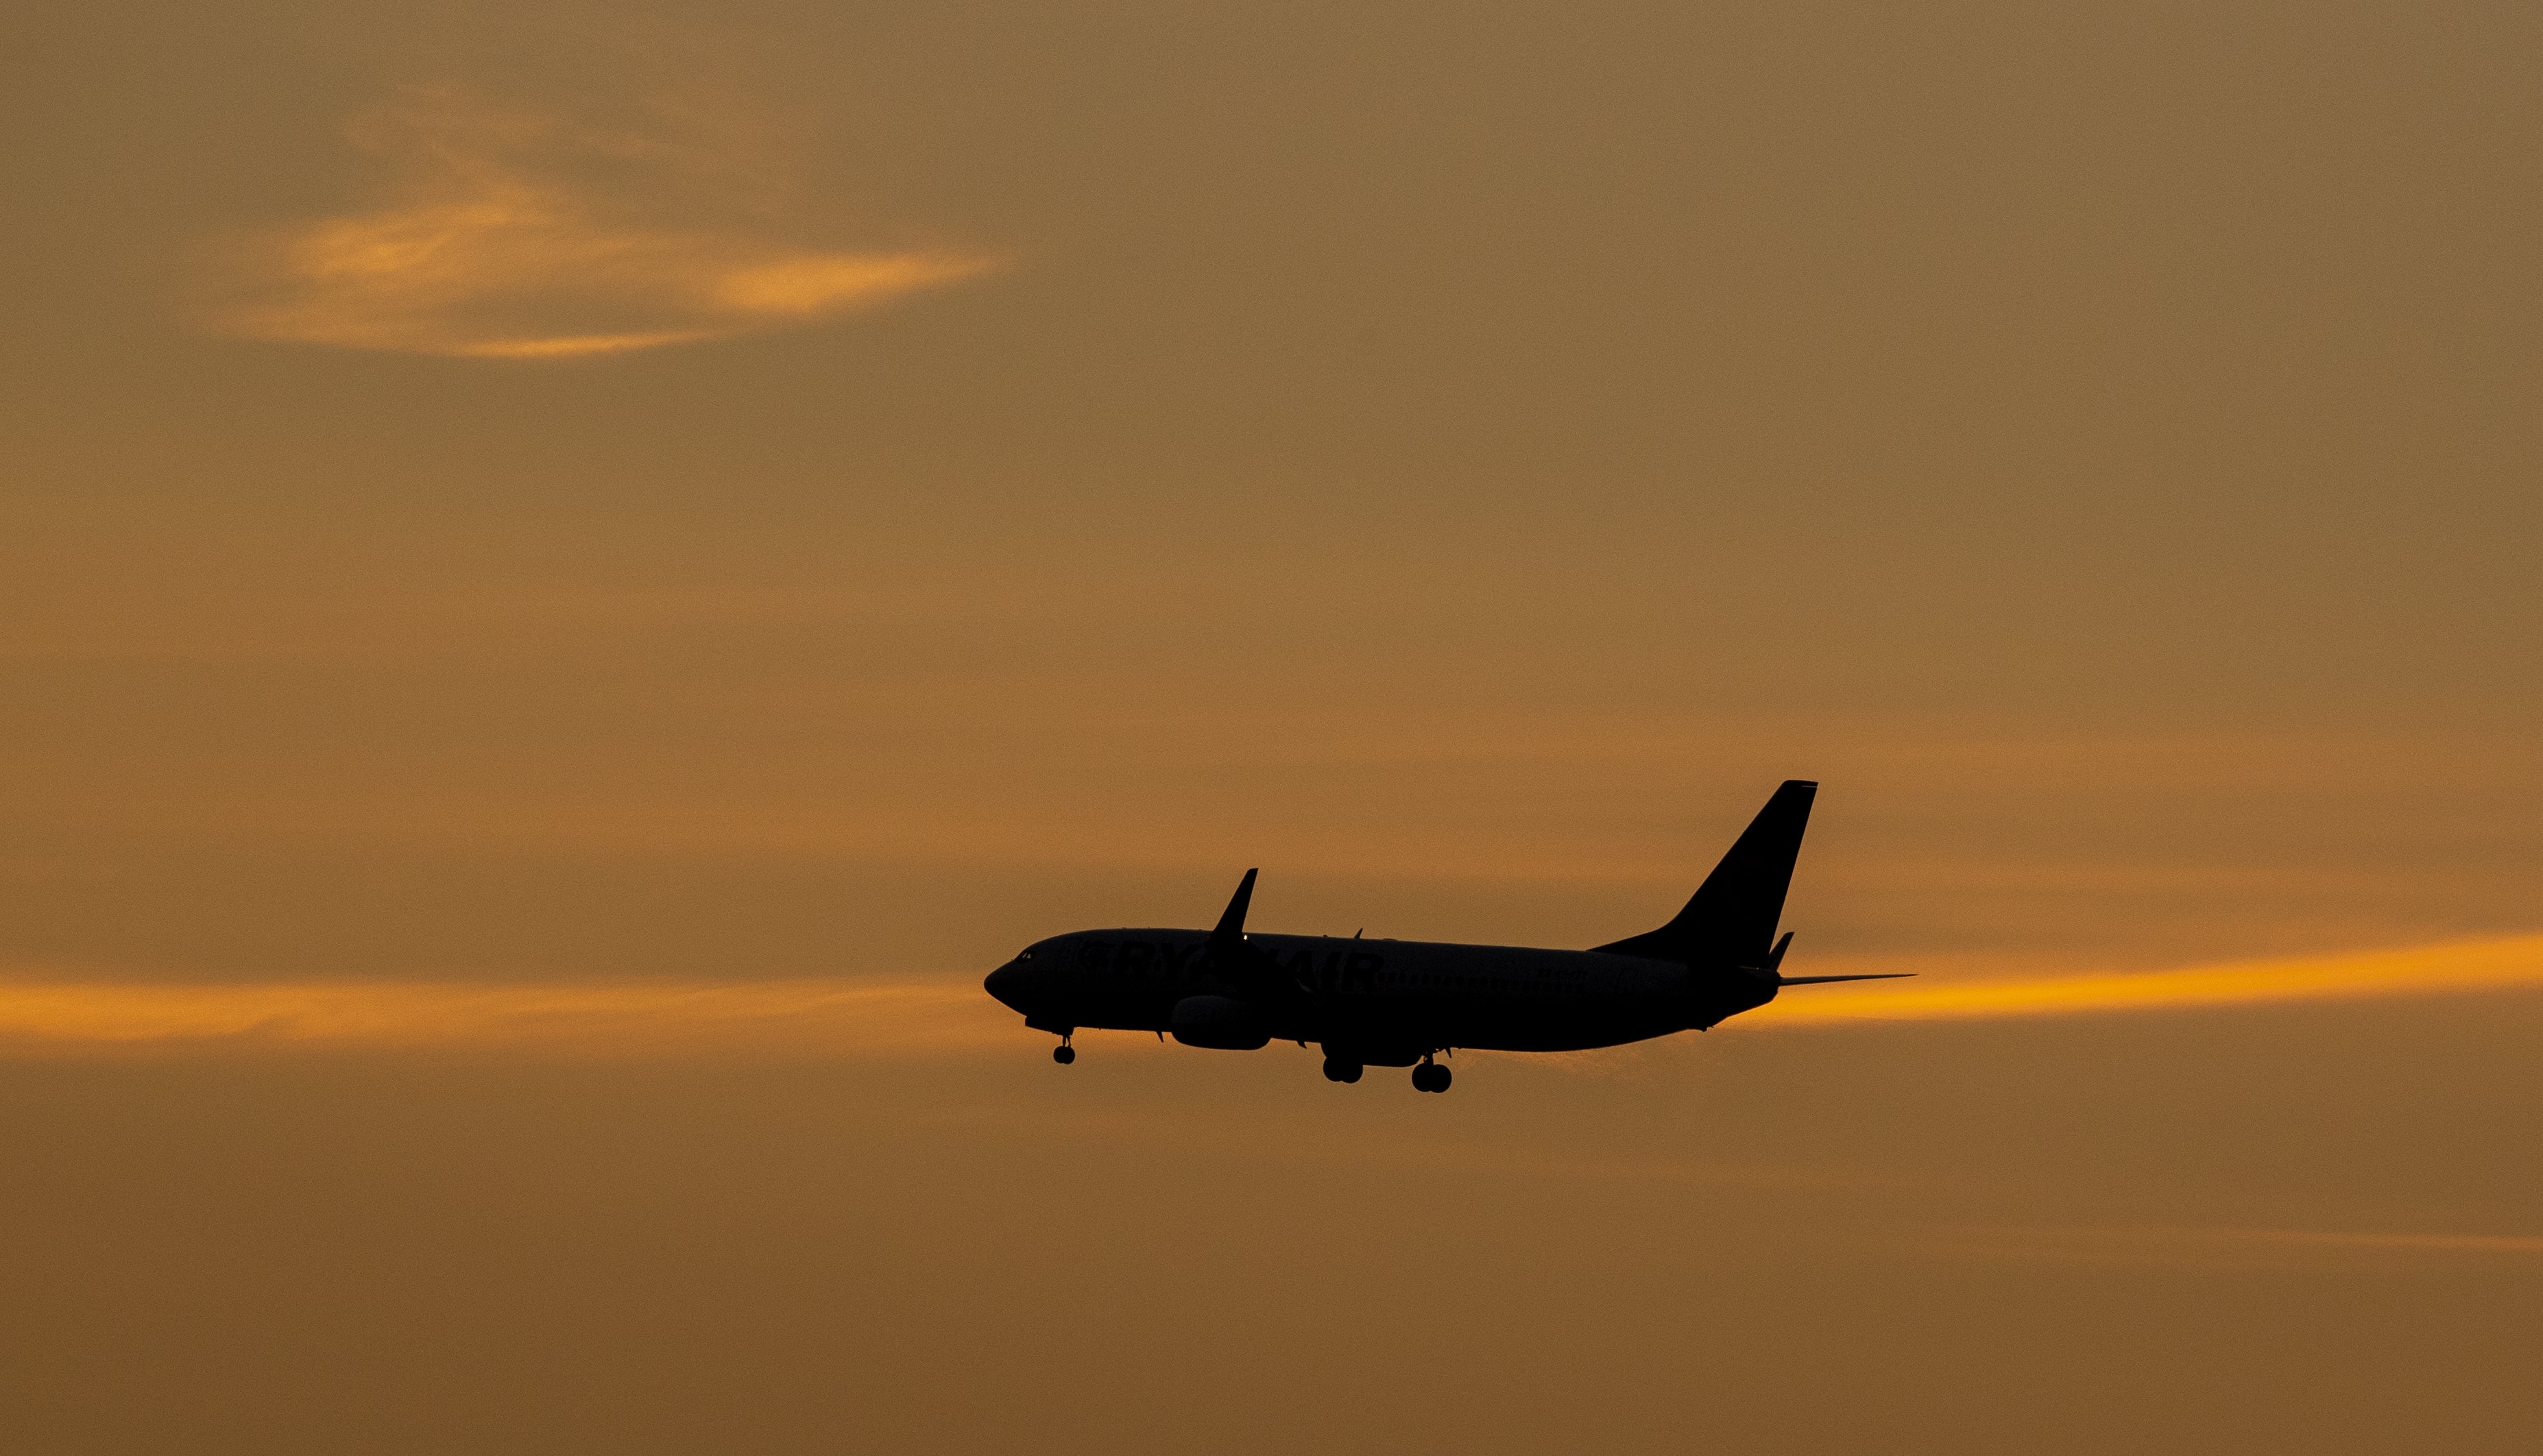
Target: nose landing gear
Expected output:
[1063,1054]
[1430,1077]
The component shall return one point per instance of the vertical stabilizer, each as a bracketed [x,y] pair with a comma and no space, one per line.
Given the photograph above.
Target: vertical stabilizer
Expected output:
[1733,917]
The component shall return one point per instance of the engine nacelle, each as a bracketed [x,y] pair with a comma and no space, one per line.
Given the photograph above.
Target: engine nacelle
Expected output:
[1222,1023]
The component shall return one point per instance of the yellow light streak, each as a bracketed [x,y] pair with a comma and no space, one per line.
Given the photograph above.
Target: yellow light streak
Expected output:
[2506,964]
[950,1015]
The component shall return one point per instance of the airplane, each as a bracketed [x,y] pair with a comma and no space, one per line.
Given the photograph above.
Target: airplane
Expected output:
[1402,1003]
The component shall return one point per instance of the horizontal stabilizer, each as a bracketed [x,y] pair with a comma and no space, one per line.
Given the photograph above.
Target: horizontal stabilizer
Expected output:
[1822,980]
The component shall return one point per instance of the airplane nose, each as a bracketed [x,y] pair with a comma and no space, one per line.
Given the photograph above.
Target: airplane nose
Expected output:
[1002,983]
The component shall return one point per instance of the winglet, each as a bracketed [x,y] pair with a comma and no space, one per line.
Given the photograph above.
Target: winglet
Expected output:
[1231,925]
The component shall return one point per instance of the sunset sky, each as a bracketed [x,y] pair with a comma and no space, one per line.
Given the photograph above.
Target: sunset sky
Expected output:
[572,576]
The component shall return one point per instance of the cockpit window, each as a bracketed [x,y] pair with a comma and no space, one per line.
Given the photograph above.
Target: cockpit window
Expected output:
[1026,954]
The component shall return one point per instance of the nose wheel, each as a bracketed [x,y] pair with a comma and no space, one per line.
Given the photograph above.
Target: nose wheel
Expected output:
[1063,1054]
[1430,1077]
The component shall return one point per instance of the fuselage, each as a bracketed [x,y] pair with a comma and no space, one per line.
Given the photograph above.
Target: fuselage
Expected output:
[1400,1002]
[1389,1003]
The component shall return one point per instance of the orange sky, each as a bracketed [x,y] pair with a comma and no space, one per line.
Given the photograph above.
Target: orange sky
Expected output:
[572,576]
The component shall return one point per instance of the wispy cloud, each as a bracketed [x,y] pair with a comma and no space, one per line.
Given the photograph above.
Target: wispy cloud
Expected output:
[2211,1247]
[2506,964]
[509,233]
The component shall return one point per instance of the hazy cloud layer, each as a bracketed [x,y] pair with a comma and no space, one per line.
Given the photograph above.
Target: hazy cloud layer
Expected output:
[512,233]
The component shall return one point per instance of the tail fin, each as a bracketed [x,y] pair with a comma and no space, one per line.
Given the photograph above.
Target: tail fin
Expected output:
[1733,917]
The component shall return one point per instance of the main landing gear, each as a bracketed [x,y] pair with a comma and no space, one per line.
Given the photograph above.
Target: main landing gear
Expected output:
[1430,1076]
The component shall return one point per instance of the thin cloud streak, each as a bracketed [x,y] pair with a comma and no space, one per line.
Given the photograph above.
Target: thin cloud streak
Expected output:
[518,235]
[2195,1247]
[817,1017]
[2507,963]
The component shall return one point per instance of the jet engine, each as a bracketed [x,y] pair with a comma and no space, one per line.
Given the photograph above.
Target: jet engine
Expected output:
[1220,1021]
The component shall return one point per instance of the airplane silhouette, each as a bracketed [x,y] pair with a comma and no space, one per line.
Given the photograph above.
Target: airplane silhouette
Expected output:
[1401,1003]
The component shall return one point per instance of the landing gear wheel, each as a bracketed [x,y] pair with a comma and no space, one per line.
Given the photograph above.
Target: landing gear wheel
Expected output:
[1429,1077]
[1337,1070]
[1063,1054]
